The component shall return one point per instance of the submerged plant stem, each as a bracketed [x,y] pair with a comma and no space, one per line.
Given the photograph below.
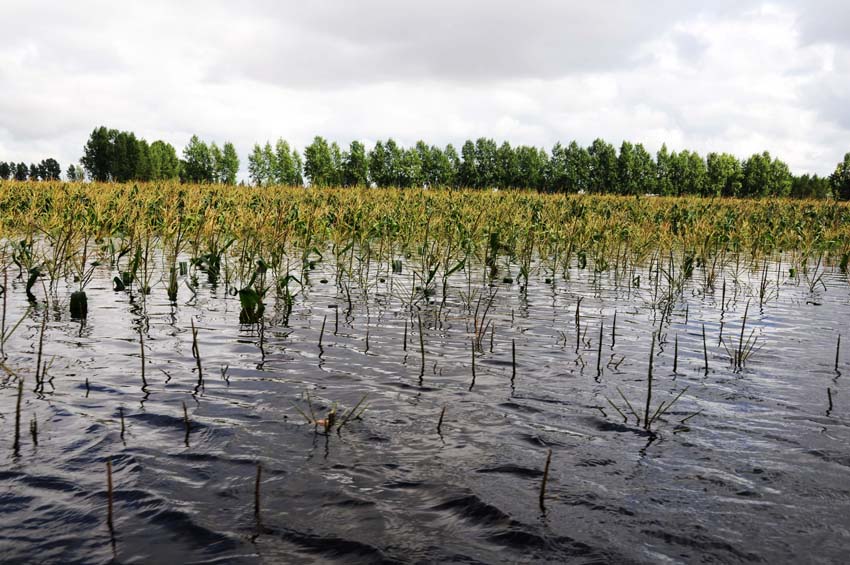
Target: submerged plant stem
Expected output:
[544,481]
[649,384]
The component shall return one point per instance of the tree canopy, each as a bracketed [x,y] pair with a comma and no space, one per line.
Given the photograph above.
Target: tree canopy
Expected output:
[840,179]
[119,156]
[113,155]
[598,168]
[47,169]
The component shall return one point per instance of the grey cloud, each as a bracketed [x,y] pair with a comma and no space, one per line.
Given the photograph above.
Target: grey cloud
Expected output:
[689,47]
[338,44]
[830,92]
[824,21]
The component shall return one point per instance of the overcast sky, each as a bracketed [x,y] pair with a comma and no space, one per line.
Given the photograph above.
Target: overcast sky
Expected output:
[738,76]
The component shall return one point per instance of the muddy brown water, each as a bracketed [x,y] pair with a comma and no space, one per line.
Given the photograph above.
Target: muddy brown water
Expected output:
[761,473]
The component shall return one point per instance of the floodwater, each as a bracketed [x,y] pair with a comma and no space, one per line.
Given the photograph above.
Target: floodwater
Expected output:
[759,471]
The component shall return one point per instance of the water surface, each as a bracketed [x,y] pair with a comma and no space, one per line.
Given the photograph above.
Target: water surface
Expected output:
[760,472]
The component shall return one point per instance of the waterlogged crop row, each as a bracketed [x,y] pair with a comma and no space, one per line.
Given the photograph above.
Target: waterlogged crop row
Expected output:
[63,227]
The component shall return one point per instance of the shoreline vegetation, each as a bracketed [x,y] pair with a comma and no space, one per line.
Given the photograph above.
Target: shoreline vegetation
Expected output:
[110,155]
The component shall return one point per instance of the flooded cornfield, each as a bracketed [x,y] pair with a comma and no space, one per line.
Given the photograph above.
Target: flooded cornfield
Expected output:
[198,374]
[367,415]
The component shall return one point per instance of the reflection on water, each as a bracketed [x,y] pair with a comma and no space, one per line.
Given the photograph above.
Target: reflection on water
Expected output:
[748,465]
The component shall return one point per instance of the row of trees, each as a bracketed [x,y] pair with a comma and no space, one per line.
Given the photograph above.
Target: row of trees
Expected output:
[599,168]
[204,163]
[47,169]
[278,165]
[112,155]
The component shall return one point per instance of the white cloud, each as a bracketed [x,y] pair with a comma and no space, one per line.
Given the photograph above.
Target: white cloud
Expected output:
[739,77]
